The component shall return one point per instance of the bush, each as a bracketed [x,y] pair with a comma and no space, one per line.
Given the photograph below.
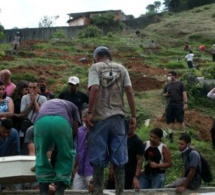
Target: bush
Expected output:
[175,65]
[209,72]
[59,34]
[90,32]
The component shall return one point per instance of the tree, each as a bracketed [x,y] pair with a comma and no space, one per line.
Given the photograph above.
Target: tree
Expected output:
[153,8]
[181,5]
[150,8]
[107,23]
[157,5]
[47,21]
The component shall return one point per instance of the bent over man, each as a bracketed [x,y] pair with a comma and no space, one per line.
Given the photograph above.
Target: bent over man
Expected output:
[54,125]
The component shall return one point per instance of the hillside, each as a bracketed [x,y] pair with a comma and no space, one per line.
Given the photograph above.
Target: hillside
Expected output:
[59,58]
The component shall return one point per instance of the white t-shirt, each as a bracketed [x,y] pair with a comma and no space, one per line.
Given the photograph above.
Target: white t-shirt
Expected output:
[189,57]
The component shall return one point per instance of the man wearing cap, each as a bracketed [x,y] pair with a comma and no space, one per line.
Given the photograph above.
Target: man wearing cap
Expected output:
[73,95]
[107,139]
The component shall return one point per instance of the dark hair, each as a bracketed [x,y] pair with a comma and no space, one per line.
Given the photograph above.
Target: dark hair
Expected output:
[42,79]
[158,132]
[185,137]
[173,73]
[2,83]
[6,123]
[33,81]
[18,90]
[104,53]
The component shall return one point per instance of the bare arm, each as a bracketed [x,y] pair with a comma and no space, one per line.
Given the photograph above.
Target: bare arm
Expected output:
[185,100]
[130,98]
[94,91]
[189,178]
[136,183]
[211,94]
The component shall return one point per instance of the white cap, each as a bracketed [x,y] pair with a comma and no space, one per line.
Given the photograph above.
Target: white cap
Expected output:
[73,80]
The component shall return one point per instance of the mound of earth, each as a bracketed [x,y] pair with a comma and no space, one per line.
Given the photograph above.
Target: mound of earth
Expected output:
[142,83]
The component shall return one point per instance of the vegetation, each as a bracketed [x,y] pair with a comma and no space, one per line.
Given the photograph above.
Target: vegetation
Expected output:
[59,58]
[107,23]
[181,5]
[47,21]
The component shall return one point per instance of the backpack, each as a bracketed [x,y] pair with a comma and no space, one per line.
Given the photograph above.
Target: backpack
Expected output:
[205,173]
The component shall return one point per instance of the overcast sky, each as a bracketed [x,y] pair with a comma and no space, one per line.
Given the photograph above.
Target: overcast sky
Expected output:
[28,13]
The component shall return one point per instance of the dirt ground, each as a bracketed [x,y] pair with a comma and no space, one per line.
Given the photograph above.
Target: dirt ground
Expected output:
[143,81]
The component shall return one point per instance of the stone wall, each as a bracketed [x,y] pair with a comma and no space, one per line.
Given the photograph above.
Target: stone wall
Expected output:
[40,33]
[70,31]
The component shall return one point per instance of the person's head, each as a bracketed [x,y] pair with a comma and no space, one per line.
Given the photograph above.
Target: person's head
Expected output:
[155,136]
[5,128]
[84,115]
[101,53]
[73,83]
[190,51]
[20,90]
[2,90]
[33,86]
[184,141]
[42,83]
[172,76]
[5,75]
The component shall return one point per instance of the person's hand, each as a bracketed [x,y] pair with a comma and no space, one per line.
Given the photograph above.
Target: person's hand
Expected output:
[136,184]
[180,189]
[185,106]
[153,164]
[52,189]
[89,120]
[132,125]
[33,97]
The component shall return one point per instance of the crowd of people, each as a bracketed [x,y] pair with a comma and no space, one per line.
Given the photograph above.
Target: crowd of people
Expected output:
[83,133]
[190,56]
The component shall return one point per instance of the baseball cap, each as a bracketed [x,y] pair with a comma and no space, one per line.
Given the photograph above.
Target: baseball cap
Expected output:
[99,49]
[74,80]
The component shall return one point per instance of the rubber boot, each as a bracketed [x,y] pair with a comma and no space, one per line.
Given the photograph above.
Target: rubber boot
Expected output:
[119,179]
[98,180]
[60,188]
[44,188]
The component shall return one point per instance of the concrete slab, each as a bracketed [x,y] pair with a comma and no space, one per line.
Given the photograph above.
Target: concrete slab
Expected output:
[17,169]
[164,191]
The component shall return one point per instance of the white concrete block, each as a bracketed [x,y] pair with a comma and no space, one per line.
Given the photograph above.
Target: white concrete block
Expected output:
[17,169]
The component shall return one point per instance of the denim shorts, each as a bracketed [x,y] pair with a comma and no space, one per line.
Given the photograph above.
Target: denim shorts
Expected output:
[107,142]
[148,181]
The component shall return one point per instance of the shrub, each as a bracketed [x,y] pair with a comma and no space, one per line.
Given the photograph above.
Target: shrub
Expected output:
[59,34]
[175,65]
[90,32]
[209,72]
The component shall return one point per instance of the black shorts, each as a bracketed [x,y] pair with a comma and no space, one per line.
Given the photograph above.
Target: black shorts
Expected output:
[174,112]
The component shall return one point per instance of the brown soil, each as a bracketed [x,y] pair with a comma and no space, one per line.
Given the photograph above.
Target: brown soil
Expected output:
[143,78]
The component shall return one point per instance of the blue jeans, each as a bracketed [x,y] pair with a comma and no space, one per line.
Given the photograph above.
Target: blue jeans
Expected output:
[107,142]
[148,181]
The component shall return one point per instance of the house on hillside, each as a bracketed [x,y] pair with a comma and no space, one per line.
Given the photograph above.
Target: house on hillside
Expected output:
[84,18]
